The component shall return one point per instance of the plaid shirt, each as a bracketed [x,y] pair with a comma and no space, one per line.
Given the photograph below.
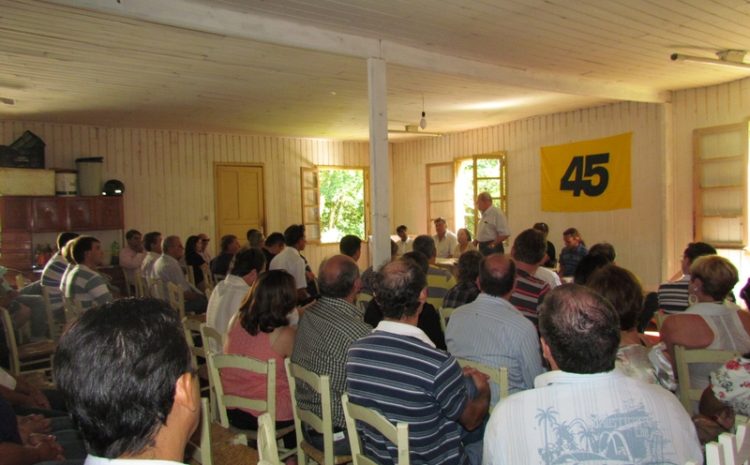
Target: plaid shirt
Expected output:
[325,332]
[460,294]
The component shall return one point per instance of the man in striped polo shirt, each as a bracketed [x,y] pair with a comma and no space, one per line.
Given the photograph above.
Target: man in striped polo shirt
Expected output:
[673,296]
[397,371]
[53,272]
[528,292]
[82,284]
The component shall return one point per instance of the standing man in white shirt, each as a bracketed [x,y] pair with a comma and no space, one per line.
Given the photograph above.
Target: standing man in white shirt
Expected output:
[584,402]
[132,255]
[291,261]
[493,227]
[445,241]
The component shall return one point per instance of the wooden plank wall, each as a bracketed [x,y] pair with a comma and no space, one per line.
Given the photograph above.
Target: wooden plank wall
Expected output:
[694,109]
[168,175]
[636,233]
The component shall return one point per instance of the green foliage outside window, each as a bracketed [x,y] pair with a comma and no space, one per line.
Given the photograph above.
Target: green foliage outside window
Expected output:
[342,203]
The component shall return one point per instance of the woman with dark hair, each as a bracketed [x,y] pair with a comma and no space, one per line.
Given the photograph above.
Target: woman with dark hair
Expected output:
[261,330]
[622,289]
[193,248]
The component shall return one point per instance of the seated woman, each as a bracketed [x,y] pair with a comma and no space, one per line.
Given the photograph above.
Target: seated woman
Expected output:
[193,248]
[622,289]
[710,322]
[464,243]
[261,330]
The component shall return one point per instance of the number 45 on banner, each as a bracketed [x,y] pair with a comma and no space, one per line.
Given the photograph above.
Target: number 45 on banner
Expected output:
[587,176]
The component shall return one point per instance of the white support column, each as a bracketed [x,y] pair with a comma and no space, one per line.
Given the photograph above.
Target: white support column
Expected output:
[380,183]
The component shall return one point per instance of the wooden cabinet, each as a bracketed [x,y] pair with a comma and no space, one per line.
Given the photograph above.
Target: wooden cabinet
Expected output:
[80,213]
[108,213]
[15,213]
[48,214]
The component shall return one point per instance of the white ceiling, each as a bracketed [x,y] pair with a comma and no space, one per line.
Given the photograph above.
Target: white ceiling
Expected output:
[297,67]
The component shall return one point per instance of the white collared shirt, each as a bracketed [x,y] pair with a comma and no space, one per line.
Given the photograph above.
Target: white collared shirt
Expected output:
[404,329]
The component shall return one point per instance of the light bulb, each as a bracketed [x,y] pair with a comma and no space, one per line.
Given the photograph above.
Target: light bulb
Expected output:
[423,121]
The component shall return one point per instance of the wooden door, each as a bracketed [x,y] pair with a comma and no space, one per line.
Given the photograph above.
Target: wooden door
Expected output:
[239,199]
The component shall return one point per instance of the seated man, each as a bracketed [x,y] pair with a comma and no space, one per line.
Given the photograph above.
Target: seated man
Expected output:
[229,294]
[53,272]
[326,330]
[272,246]
[132,255]
[230,245]
[404,241]
[445,241]
[152,244]
[673,295]
[167,268]
[493,332]
[145,403]
[255,239]
[19,447]
[290,260]
[584,403]
[466,290]
[351,246]
[82,284]
[439,280]
[416,383]
[529,291]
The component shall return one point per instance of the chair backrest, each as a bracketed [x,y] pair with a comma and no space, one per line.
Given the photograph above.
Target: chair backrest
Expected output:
[445,314]
[155,288]
[223,401]
[201,449]
[208,278]
[321,384]
[139,282]
[498,375]
[683,359]
[176,298]
[213,341]
[73,309]
[192,328]
[660,316]
[129,283]
[267,448]
[189,274]
[10,341]
[398,434]
[363,299]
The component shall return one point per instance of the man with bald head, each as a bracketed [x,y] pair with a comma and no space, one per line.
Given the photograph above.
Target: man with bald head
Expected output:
[325,332]
[584,402]
[492,331]
[493,227]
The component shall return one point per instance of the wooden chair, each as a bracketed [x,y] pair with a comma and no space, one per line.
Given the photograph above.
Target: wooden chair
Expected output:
[683,359]
[129,284]
[398,434]
[199,444]
[155,288]
[213,341]
[73,309]
[363,299]
[208,278]
[192,330]
[322,424]
[445,314]
[141,287]
[730,449]
[26,358]
[498,375]
[55,328]
[216,362]
[267,448]
[176,299]
[189,275]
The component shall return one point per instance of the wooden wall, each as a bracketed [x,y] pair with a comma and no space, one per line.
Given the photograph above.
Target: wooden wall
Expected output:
[637,233]
[168,175]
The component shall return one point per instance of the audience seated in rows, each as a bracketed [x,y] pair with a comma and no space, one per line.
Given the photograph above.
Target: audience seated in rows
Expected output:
[529,291]
[674,295]
[145,402]
[466,290]
[152,243]
[221,265]
[428,320]
[415,382]
[82,284]
[490,330]
[167,268]
[326,330]
[231,292]
[583,403]
[261,330]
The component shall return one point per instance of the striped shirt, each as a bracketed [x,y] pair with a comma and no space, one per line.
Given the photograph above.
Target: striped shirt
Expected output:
[439,282]
[673,297]
[51,279]
[406,379]
[325,332]
[86,287]
[528,293]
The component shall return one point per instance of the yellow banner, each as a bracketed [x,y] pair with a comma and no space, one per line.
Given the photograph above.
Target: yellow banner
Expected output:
[590,175]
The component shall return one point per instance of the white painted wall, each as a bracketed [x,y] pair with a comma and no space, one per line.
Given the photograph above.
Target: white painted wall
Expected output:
[169,178]
[636,233]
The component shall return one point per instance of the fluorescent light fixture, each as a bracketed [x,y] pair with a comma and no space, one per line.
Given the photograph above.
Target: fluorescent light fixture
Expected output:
[731,58]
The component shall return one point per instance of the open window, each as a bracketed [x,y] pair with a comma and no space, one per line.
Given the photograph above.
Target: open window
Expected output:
[335,203]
